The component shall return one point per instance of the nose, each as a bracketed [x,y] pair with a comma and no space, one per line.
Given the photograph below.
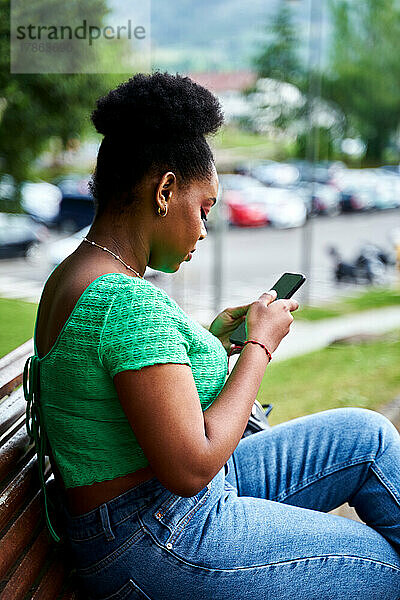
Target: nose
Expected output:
[203,231]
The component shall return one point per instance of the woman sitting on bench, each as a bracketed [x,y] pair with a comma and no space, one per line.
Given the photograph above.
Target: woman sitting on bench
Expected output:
[163,499]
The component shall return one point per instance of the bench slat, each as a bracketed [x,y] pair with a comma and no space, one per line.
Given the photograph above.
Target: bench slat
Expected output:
[11,409]
[24,484]
[31,564]
[13,451]
[19,535]
[52,582]
[28,569]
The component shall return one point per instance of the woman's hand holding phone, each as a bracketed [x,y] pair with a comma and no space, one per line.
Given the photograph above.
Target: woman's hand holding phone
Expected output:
[268,320]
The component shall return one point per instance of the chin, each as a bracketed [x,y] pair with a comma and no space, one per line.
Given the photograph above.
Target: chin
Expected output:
[165,268]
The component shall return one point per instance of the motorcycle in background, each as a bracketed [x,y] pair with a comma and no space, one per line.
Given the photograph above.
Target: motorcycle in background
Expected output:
[369,267]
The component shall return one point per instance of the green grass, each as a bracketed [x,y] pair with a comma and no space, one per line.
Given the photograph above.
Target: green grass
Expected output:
[16,323]
[365,375]
[242,146]
[374,298]
[231,137]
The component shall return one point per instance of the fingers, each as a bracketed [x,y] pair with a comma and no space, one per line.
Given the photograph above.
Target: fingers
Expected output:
[269,297]
[289,304]
[238,311]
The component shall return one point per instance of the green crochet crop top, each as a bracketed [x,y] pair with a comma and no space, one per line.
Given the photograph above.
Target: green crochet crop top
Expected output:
[118,323]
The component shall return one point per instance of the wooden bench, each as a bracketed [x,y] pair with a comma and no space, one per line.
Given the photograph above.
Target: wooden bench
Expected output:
[32,565]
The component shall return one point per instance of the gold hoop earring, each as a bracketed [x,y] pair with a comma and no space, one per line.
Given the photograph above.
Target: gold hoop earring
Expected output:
[162,214]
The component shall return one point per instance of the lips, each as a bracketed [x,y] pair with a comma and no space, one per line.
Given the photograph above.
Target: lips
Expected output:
[189,255]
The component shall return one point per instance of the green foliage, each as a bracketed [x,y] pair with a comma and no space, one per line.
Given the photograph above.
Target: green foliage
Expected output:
[37,107]
[278,58]
[364,74]
[325,139]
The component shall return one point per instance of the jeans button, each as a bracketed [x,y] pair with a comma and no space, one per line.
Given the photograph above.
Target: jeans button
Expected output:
[169,545]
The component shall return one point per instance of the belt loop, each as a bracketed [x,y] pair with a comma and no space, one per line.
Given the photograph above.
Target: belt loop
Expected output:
[105,521]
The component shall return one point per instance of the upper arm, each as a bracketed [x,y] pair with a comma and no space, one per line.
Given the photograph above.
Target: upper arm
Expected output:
[163,408]
[145,346]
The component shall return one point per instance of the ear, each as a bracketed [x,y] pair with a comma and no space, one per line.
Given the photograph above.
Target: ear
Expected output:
[165,189]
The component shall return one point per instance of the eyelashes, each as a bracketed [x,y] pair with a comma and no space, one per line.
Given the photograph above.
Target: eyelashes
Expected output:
[203,215]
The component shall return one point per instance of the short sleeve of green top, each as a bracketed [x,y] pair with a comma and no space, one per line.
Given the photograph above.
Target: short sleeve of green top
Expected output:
[119,323]
[144,327]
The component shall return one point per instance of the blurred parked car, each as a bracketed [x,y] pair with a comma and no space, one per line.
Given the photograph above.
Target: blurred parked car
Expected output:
[320,199]
[41,200]
[276,174]
[363,189]
[54,252]
[394,169]
[243,199]
[252,203]
[19,235]
[387,190]
[77,205]
[285,207]
[65,204]
[357,189]
[247,167]
[320,172]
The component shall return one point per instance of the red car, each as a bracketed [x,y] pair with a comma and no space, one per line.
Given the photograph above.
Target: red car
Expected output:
[244,199]
[244,213]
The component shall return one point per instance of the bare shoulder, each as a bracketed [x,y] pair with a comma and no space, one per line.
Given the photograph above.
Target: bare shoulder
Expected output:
[60,295]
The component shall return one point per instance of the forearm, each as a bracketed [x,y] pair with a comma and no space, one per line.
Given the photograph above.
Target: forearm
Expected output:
[226,419]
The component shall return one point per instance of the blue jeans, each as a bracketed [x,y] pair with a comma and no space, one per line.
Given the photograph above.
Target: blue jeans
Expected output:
[259,529]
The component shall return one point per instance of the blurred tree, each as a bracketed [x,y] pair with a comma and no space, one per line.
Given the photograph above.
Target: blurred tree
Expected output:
[325,143]
[278,58]
[364,69]
[37,107]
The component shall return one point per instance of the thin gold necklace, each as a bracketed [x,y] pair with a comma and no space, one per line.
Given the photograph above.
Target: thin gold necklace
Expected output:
[115,256]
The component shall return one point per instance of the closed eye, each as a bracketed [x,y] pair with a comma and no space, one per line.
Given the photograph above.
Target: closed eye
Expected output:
[203,215]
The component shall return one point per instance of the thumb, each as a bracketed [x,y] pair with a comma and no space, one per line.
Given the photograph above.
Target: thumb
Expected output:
[269,296]
[239,311]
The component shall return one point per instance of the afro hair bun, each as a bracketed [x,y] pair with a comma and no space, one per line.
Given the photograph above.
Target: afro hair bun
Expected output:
[158,107]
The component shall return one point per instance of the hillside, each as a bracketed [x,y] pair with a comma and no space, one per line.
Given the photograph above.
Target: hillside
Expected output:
[216,34]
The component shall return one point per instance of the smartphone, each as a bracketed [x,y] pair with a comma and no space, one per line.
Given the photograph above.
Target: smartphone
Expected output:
[285,287]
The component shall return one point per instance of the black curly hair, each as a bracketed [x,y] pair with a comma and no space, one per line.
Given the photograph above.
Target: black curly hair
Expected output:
[152,124]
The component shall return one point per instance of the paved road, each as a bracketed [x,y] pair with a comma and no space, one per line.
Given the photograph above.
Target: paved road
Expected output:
[251,261]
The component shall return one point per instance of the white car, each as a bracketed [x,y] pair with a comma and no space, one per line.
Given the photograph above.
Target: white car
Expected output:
[285,207]
[276,174]
[56,251]
[41,200]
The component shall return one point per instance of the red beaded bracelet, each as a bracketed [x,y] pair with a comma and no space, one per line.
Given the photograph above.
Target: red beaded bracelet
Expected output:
[249,342]
[262,346]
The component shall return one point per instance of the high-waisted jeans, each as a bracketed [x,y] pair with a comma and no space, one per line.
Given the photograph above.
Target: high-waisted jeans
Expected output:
[260,528]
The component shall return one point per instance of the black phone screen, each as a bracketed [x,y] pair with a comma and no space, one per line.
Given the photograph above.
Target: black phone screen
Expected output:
[285,287]
[288,284]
